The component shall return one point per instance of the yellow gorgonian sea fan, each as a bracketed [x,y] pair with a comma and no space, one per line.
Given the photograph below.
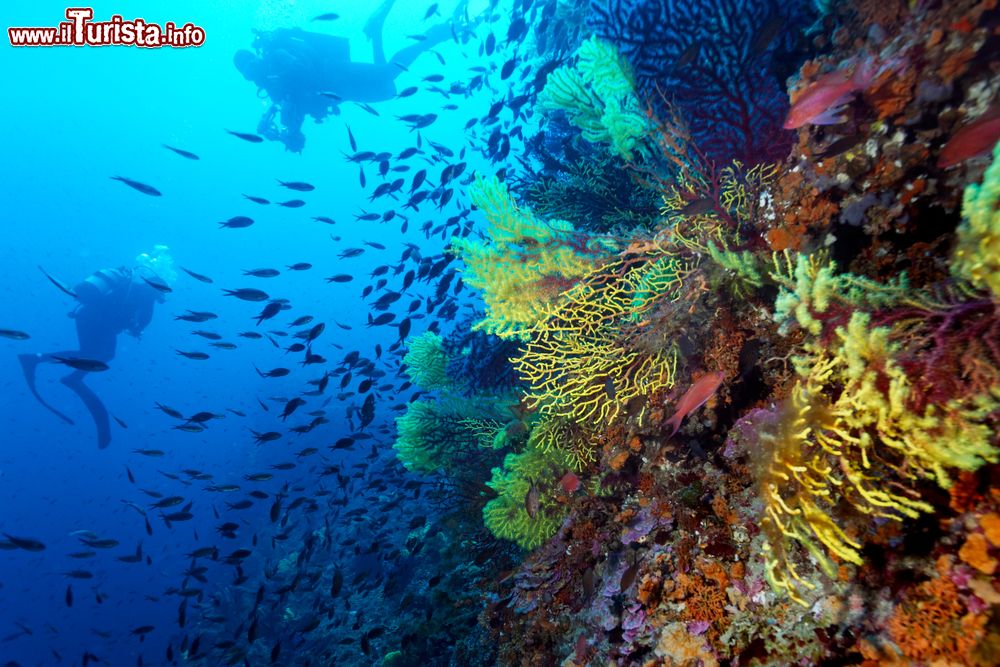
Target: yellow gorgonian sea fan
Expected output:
[525,264]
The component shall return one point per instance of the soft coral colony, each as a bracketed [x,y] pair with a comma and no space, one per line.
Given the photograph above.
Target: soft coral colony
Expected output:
[821,330]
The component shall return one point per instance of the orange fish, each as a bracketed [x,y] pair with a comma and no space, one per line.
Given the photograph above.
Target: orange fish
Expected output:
[823,99]
[694,398]
[976,138]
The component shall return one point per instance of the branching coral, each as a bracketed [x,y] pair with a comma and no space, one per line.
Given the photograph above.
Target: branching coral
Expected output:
[598,97]
[850,436]
[526,265]
[977,251]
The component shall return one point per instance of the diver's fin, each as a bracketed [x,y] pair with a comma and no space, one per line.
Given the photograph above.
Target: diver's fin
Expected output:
[373,26]
[94,406]
[29,362]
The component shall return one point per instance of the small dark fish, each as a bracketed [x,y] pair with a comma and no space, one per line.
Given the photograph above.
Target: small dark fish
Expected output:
[273,373]
[261,438]
[262,273]
[63,288]
[157,285]
[197,356]
[148,452]
[136,185]
[237,222]
[699,207]
[765,36]
[13,334]
[300,266]
[69,596]
[291,407]
[340,278]
[258,200]
[343,443]
[170,411]
[373,244]
[86,365]
[252,138]
[25,543]
[406,92]
[247,294]
[324,219]
[210,335]
[197,276]
[628,576]
[350,137]
[315,332]
[120,423]
[298,186]
[532,503]
[516,30]
[292,203]
[508,68]
[841,145]
[689,55]
[329,16]
[79,574]
[183,153]
[270,310]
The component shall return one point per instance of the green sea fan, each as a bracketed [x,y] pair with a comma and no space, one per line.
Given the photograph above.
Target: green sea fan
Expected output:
[427,362]
[507,517]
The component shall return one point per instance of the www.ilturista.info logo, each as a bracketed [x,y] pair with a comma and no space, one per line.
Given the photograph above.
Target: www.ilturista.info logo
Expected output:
[81,30]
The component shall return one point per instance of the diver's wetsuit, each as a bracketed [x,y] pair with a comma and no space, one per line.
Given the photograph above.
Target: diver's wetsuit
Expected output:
[110,301]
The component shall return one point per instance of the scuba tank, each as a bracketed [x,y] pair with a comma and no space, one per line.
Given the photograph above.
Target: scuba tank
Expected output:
[103,285]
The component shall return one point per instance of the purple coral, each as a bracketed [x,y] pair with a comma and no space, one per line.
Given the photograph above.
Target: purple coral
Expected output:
[721,62]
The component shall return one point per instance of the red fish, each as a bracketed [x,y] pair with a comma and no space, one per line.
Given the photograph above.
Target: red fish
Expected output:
[976,138]
[694,398]
[570,482]
[822,100]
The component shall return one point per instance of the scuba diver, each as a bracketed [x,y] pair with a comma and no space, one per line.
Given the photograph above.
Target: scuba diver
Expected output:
[306,73]
[109,302]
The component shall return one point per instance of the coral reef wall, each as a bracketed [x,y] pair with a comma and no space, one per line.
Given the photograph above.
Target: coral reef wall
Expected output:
[756,422]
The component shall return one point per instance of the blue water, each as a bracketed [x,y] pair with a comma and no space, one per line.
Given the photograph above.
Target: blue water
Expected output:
[74,117]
